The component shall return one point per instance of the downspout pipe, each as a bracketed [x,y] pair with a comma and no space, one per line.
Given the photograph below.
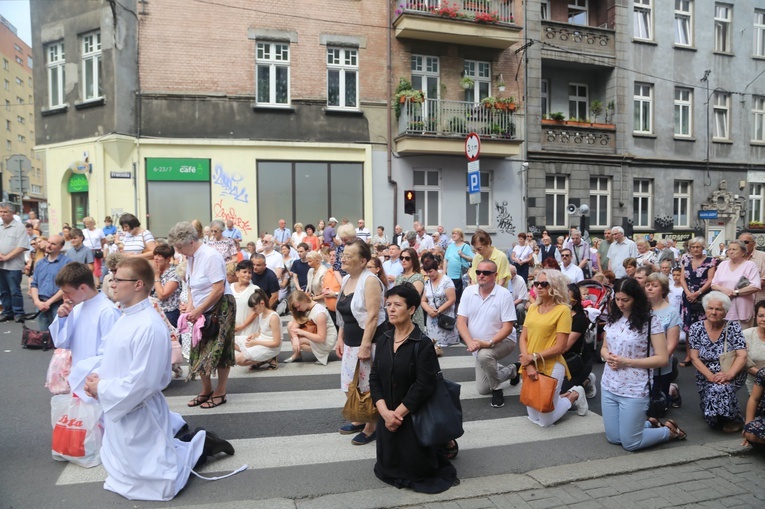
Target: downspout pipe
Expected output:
[392,182]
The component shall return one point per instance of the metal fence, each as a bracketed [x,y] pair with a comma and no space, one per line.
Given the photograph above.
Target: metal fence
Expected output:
[459,118]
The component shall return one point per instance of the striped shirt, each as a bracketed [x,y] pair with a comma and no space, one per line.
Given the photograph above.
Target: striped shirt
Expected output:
[136,244]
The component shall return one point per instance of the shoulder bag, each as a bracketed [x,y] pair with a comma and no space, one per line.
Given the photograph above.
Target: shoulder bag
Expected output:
[727,358]
[439,419]
[445,322]
[658,404]
[32,339]
[539,394]
[359,406]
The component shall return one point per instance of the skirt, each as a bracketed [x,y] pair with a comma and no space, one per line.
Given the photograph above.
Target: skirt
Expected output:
[350,356]
[207,358]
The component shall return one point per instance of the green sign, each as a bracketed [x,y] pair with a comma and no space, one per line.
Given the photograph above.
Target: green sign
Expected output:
[175,169]
[78,183]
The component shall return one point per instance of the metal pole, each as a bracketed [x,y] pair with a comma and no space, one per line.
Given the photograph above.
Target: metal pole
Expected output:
[21,191]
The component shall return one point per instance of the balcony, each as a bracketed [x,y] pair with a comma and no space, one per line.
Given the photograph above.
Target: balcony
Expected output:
[579,137]
[576,43]
[437,126]
[482,23]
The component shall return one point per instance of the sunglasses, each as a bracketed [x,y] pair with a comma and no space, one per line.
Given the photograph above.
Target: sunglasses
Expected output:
[405,257]
[747,242]
[565,256]
[485,272]
[541,284]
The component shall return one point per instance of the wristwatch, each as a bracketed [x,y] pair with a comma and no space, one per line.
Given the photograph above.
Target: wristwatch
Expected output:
[737,292]
[491,344]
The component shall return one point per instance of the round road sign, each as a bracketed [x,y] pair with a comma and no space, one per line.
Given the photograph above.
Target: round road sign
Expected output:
[472,147]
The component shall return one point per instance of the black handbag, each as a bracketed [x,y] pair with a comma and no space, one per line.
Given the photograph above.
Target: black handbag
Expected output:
[32,339]
[98,254]
[439,419]
[211,328]
[574,362]
[446,322]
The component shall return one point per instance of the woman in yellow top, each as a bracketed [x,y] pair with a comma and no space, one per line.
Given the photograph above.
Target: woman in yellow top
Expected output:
[481,242]
[543,341]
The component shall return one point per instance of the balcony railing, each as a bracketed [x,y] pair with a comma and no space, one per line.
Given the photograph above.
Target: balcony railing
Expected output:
[480,11]
[593,138]
[578,39]
[438,117]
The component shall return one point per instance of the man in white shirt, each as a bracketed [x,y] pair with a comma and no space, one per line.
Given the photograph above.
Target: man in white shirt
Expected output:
[274,259]
[580,252]
[398,235]
[570,269]
[620,249]
[362,232]
[424,241]
[520,296]
[392,266]
[485,321]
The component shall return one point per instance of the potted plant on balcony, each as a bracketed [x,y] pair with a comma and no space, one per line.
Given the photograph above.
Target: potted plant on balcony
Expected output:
[405,93]
[555,118]
[416,126]
[756,225]
[596,108]
[486,17]
[457,125]
[501,84]
[489,102]
[467,82]
[510,103]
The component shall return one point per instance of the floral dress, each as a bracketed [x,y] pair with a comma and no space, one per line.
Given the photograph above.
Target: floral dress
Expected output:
[757,425]
[419,316]
[436,295]
[695,279]
[717,400]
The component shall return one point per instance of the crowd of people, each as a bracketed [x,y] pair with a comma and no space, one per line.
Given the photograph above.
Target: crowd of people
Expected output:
[387,306]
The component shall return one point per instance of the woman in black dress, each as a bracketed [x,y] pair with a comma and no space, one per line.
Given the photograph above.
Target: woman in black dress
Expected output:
[403,378]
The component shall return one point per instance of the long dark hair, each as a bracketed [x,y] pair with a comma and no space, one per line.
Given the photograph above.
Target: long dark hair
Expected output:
[576,305]
[641,308]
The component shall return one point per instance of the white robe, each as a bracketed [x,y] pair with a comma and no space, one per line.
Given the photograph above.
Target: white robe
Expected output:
[143,460]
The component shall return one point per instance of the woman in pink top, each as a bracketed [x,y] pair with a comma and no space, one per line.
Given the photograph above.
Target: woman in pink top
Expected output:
[739,279]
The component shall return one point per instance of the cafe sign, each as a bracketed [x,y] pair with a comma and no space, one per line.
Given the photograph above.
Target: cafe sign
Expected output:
[177,169]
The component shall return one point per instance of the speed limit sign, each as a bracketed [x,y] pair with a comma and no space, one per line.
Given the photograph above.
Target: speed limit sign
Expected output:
[472,147]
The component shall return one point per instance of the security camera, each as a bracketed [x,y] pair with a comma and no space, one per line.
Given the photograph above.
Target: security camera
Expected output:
[571,209]
[525,166]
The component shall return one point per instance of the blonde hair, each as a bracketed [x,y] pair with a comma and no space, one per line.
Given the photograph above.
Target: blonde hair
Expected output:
[459,232]
[231,268]
[346,232]
[558,286]
[314,255]
[180,269]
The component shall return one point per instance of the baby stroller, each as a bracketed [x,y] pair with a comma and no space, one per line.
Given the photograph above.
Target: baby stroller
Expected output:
[596,298]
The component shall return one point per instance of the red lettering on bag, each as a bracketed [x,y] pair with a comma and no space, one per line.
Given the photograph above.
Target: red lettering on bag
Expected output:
[68,441]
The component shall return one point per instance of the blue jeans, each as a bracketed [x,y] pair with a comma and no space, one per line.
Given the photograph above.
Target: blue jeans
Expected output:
[45,318]
[10,293]
[625,422]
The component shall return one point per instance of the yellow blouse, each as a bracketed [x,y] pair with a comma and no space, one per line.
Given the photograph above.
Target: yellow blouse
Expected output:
[541,330]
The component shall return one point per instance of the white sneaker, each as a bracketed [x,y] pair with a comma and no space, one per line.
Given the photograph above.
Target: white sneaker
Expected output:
[581,402]
[592,390]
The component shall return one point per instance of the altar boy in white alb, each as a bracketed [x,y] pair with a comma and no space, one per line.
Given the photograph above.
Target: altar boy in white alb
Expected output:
[142,459]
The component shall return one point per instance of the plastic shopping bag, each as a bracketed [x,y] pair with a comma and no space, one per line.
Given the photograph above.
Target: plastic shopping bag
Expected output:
[77,432]
[60,365]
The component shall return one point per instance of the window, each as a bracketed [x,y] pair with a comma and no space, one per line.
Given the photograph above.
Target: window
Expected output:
[600,202]
[643,108]
[756,192]
[19,60]
[577,101]
[759,33]
[342,77]
[19,100]
[545,96]
[641,202]
[30,62]
[758,126]
[22,138]
[427,195]
[683,111]
[20,119]
[16,47]
[682,204]
[480,73]
[29,82]
[722,117]
[91,66]
[7,84]
[55,61]
[35,189]
[545,9]
[484,219]
[723,15]
[683,23]
[7,105]
[5,64]
[19,81]
[8,145]
[643,20]
[7,125]
[273,73]
[425,75]
[577,12]
[556,198]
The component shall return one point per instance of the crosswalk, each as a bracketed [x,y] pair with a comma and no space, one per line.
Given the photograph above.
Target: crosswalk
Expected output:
[303,401]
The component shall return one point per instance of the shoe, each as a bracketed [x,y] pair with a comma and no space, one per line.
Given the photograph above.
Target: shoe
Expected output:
[215,444]
[19,319]
[363,439]
[210,403]
[515,380]
[199,399]
[5,318]
[676,400]
[592,389]
[350,429]
[731,427]
[497,399]
[273,363]
[675,433]
[581,402]
[439,351]
[294,358]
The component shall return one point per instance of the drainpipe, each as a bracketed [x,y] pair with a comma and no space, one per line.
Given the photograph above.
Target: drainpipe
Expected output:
[525,178]
[389,123]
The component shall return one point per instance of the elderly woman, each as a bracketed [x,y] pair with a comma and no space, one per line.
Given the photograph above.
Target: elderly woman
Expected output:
[708,340]
[313,241]
[112,260]
[311,328]
[360,313]
[755,345]
[404,376]
[697,272]
[95,240]
[136,241]
[315,277]
[167,285]
[210,295]
[439,298]
[225,246]
[411,265]
[345,234]
[457,260]
[645,255]
[739,279]
[298,235]
[380,238]
[481,242]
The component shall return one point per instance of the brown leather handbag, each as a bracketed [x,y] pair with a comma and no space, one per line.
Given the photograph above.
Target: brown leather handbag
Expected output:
[359,406]
[539,394]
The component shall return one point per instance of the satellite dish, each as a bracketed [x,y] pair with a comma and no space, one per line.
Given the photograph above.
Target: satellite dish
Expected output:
[584,209]
[571,209]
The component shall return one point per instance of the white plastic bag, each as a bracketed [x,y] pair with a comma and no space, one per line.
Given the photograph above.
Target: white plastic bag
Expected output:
[77,433]
[60,365]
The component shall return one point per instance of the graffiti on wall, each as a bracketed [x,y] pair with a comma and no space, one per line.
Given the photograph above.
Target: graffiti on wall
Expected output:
[231,185]
[504,219]
[220,212]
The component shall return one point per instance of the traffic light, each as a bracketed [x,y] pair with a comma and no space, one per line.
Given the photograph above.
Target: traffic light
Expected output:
[409,204]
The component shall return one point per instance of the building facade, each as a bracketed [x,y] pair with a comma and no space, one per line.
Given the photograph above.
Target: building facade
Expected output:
[23,180]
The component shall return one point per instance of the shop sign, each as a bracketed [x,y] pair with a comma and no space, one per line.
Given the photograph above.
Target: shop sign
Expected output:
[177,169]
[677,236]
[80,167]
[120,174]
[78,183]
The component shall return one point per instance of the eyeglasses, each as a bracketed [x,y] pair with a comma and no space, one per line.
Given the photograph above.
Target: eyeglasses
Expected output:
[485,272]
[214,231]
[118,280]
[747,242]
[565,256]
[386,257]
[541,284]
[405,257]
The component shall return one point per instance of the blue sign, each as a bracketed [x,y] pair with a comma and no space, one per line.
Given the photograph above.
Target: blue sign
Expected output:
[708,214]
[474,182]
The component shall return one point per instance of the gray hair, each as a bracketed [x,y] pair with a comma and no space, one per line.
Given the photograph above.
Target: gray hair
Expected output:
[410,235]
[701,241]
[258,256]
[8,205]
[719,297]
[183,233]
[618,229]
[217,223]
[739,243]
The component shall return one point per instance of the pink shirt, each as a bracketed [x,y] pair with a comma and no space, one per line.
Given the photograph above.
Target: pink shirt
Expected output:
[743,307]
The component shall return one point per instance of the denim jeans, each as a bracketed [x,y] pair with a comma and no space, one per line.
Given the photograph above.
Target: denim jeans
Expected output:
[45,318]
[625,422]
[10,293]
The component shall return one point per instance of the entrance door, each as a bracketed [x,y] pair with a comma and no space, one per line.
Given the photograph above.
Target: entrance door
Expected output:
[79,209]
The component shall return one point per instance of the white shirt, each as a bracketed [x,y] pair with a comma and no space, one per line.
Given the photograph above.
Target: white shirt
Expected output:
[363,234]
[572,272]
[675,297]
[485,317]
[204,269]
[393,268]
[275,260]
[618,252]
[92,239]
[425,242]
[520,290]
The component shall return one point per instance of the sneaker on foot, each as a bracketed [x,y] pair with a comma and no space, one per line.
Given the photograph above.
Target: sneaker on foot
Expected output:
[591,390]
[514,380]
[581,402]
[497,399]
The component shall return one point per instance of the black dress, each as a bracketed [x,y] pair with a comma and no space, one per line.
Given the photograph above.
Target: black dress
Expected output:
[396,378]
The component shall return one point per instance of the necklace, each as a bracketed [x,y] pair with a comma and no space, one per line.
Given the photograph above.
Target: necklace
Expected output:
[405,337]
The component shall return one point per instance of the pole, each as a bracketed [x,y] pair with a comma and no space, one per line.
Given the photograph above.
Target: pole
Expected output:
[21,191]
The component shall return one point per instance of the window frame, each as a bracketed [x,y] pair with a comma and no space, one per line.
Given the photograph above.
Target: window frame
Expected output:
[574,5]
[425,189]
[555,192]
[91,58]
[687,17]
[723,42]
[682,194]
[758,120]
[484,208]
[638,101]
[578,100]
[479,77]
[424,73]
[724,112]
[598,192]
[642,10]
[544,96]
[642,197]
[680,105]
[345,54]
[272,63]
[756,201]
[544,10]
[56,67]
[759,33]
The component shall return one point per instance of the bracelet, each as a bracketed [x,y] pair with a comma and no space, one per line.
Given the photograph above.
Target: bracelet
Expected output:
[534,356]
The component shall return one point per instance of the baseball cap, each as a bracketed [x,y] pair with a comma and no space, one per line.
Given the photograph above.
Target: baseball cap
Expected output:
[333,220]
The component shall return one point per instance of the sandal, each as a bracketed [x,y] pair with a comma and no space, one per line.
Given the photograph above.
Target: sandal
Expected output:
[675,433]
[686,363]
[450,452]
[655,423]
[201,398]
[210,403]
[273,363]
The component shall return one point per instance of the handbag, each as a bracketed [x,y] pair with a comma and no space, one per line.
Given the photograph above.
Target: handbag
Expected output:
[359,406]
[98,254]
[446,322]
[574,361]
[439,419]
[539,394]
[309,326]
[32,339]
[176,356]
[727,358]
[77,433]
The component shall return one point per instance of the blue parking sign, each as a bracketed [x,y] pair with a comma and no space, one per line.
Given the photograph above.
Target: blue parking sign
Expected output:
[474,182]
